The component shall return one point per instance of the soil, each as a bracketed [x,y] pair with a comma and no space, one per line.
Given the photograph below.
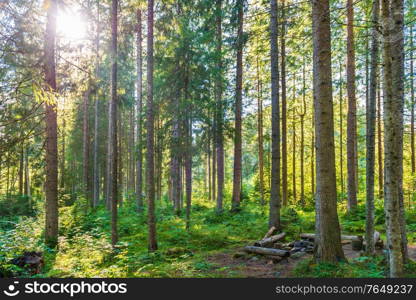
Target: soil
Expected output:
[261,267]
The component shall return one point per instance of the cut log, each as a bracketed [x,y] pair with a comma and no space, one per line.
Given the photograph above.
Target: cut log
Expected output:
[266,251]
[270,241]
[269,233]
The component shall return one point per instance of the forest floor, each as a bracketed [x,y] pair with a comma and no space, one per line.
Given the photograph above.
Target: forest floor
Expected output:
[260,267]
[207,250]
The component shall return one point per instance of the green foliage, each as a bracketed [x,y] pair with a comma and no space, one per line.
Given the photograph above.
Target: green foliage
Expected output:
[361,267]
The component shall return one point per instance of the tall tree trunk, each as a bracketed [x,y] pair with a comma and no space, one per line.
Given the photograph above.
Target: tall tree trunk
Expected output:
[86,145]
[412,108]
[62,161]
[393,59]
[96,171]
[219,112]
[139,104]
[302,137]
[112,129]
[275,204]
[176,149]
[294,143]
[21,167]
[284,108]
[352,110]
[313,156]
[51,182]
[328,238]
[379,143]
[260,133]
[236,199]
[150,132]
[341,135]
[371,130]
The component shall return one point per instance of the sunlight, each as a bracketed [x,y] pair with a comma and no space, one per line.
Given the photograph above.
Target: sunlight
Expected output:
[71,26]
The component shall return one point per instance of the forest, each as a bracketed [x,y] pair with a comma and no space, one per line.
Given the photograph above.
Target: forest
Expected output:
[207,138]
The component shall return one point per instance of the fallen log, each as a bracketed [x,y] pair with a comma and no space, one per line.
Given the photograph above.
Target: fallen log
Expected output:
[268,242]
[311,236]
[269,233]
[266,251]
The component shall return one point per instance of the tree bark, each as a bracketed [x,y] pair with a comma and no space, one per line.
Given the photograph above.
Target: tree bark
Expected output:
[371,130]
[139,107]
[393,59]
[219,111]
[274,212]
[260,133]
[51,182]
[379,143]
[267,251]
[86,145]
[352,110]
[150,132]
[328,240]
[112,177]
[284,108]
[236,198]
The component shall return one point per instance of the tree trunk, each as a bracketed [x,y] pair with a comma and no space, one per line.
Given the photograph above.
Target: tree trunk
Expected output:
[260,134]
[328,240]
[51,182]
[176,150]
[352,110]
[341,135]
[236,198]
[393,59]
[302,140]
[150,132]
[379,143]
[412,109]
[294,143]
[21,167]
[284,108]
[274,212]
[139,107]
[371,130]
[219,112]
[86,145]
[96,171]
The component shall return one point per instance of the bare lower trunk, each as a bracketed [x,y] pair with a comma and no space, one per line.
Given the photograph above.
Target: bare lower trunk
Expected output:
[219,112]
[284,109]
[393,58]
[328,240]
[274,213]
[51,182]
[139,107]
[237,176]
[352,110]
[371,129]
[150,132]
[112,129]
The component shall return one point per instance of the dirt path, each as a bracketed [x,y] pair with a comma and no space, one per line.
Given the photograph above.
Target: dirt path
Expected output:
[260,267]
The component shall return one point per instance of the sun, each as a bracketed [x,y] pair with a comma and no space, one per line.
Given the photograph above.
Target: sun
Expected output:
[70,25]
